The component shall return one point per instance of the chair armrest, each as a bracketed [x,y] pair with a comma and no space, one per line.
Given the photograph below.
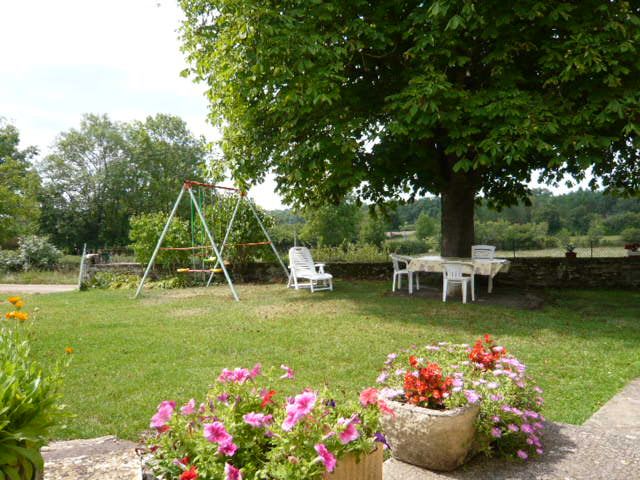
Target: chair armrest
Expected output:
[320,267]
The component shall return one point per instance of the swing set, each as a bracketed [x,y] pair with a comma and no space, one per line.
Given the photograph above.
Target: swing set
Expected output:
[205,250]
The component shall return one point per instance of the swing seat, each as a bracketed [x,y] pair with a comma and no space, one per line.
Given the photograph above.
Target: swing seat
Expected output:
[217,270]
[182,270]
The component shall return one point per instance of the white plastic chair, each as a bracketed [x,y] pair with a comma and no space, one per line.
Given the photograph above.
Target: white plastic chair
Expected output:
[483,252]
[458,273]
[399,270]
[302,266]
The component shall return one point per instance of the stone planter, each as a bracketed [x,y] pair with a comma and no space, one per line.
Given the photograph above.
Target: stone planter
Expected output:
[367,467]
[632,253]
[433,439]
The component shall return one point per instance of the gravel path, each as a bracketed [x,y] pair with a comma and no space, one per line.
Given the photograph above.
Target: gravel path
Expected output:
[35,288]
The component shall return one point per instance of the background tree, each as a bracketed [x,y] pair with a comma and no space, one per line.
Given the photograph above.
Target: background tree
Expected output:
[451,97]
[373,229]
[425,226]
[19,184]
[101,174]
[331,225]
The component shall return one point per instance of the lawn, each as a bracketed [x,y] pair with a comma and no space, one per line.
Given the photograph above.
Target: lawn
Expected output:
[48,277]
[129,355]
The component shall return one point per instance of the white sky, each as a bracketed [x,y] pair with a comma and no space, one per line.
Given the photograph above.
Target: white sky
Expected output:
[63,58]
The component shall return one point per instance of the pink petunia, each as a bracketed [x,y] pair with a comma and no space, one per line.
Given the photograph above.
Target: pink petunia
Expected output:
[231,472]
[350,433]
[216,433]
[288,372]
[496,432]
[257,420]
[189,407]
[522,454]
[163,415]
[326,457]
[237,375]
[228,449]
[255,371]
[472,396]
[513,427]
[384,408]
[297,408]
[369,396]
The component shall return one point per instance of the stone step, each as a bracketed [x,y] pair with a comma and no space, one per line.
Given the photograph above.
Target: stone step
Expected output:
[572,453]
[620,414]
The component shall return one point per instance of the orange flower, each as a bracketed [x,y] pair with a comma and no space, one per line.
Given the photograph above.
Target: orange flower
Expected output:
[22,316]
[14,300]
[9,314]
[19,304]
[68,350]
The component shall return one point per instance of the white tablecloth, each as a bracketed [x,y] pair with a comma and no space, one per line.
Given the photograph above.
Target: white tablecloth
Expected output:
[433,263]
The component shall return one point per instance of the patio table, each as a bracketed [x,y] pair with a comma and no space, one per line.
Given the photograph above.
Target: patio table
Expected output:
[481,266]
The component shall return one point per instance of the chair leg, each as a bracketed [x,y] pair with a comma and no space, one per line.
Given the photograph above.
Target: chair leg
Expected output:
[464,291]
[473,288]
[417,280]
[444,289]
[399,281]
[311,285]
[490,284]
[410,279]
[393,282]
[331,285]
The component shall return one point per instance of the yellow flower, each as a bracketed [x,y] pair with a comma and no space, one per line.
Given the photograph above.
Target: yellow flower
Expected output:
[19,304]
[22,316]
[9,314]
[14,300]
[68,350]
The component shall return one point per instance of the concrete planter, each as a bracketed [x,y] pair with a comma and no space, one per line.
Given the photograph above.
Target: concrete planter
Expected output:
[367,467]
[433,439]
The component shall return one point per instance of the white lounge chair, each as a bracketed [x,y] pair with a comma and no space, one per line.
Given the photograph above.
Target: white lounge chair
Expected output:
[303,267]
[458,273]
[399,271]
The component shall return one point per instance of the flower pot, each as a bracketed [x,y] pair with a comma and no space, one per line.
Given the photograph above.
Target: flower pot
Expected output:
[633,253]
[570,254]
[433,439]
[367,467]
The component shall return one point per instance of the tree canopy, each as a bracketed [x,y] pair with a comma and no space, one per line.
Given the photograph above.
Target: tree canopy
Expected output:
[453,97]
[19,184]
[101,174]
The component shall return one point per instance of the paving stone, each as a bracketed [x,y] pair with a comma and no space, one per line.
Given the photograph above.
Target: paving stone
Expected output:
[620,414]
[104,458]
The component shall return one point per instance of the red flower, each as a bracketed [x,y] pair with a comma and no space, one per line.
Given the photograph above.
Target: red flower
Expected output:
[486,354]
[426,387]
[266,398]
[191,474]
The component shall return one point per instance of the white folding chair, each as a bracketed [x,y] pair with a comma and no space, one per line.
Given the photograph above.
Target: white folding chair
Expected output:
[303,267]
[399,270]
[458,273]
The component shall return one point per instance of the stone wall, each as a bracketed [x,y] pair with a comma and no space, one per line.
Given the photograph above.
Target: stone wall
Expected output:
[620,272]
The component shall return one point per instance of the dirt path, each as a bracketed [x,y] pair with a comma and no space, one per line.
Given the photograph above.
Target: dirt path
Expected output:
[34,288]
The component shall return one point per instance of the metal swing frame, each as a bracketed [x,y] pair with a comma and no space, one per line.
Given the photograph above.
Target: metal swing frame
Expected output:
[188,187]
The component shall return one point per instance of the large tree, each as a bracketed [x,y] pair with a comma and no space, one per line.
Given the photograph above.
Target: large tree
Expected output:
[460,98]
[19,184]
[101,174]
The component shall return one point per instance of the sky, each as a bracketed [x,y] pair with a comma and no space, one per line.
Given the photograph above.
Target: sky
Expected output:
[63,58]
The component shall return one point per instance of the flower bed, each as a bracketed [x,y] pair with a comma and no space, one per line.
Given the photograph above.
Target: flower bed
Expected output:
[245,429]
[445,376]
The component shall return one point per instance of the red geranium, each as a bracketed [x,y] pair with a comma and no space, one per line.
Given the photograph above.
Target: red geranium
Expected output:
[266,398]
[426,386]
[191,474]
[486,354]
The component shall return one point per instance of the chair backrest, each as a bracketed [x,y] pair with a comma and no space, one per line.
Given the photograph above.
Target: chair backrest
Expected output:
[301,261]
[456,270]
[397,259]
[484,252]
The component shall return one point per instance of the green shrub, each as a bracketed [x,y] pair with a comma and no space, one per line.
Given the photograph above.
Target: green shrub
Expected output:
[29,403]
[409,247]
[36,252]
[10,261]
[145,232]
[350,253]
[631,234]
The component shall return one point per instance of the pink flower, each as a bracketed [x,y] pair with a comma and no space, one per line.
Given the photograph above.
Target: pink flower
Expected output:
[326,457]
[237,375]
[255,371]
[472,396]
[257,420]
[539,451]
[297,408]
[231,472]
[384,408]
[382,377]
[513,427]
[216,433]
[189,407]
[350,433]
[164,413]
[228,449]
[522,454]
[369,396]
[288,372]
[496,432]
[526,428]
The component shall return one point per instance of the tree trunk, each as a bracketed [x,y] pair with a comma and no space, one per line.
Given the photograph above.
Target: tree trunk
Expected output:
[457,204]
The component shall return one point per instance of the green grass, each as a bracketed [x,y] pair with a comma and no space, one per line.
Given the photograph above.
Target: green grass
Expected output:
[40,277]
[129,355]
